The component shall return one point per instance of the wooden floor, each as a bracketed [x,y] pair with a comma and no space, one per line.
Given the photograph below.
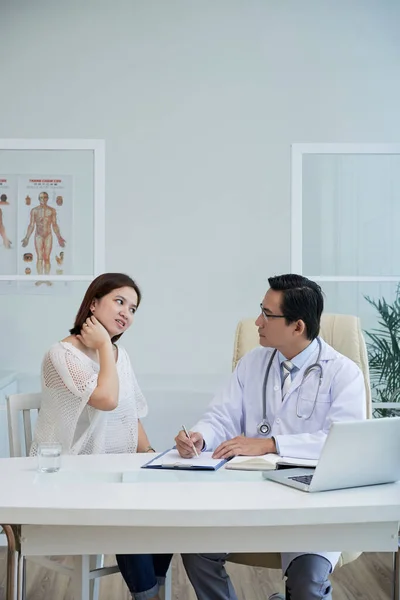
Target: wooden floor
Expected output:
[368,578]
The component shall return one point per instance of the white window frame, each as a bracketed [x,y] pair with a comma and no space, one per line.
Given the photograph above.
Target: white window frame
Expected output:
[98,149]
[296,253]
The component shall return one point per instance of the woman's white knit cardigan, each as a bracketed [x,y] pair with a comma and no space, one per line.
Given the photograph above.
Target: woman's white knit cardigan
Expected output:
[69,378]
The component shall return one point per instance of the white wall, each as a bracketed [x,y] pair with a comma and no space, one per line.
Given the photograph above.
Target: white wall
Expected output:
[198,102]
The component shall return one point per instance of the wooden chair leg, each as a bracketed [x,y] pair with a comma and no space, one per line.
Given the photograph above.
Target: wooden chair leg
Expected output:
[12,564]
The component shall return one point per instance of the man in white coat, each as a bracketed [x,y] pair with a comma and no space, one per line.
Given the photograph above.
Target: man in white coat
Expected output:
[300,408]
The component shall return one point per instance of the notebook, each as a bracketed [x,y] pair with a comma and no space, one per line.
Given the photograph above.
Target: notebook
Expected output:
[171,459]
[267,462]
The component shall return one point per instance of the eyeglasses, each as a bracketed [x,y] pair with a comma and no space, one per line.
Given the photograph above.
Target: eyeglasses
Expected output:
[269,316]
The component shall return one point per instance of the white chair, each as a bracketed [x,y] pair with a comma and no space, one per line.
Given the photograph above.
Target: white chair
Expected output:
[86,570]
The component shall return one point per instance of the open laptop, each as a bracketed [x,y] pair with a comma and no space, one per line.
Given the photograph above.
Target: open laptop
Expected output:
[356,453]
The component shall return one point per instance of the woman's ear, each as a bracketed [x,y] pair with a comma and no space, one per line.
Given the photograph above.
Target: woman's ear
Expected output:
[93,306]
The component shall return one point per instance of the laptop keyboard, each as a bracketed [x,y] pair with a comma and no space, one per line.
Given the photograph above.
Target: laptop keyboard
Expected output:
[302,478]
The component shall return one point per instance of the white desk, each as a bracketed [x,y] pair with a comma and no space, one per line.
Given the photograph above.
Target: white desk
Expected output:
[87,509]
[86,505]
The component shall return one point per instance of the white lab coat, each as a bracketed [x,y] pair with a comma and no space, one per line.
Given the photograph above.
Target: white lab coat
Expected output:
[239,407]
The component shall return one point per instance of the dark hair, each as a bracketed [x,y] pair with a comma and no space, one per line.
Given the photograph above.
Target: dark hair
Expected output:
[101,286]
[302,299]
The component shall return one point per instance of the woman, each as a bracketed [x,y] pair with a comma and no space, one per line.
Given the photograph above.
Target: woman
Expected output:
[92,402]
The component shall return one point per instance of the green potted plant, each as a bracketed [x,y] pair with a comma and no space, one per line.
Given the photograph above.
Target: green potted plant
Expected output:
[384,354]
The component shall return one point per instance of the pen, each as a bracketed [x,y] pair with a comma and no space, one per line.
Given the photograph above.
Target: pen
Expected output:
[188,437]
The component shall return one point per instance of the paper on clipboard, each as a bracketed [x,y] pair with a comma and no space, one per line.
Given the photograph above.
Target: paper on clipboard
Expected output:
[171,459]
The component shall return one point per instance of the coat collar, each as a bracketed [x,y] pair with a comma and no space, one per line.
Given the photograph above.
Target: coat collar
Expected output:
[327,353]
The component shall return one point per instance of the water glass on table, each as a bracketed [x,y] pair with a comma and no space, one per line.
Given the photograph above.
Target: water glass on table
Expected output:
[49,457]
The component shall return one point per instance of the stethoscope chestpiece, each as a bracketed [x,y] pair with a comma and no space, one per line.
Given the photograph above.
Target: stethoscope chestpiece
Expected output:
[264,428]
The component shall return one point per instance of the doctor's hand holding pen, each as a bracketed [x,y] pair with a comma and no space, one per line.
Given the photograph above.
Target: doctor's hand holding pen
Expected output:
[189,443]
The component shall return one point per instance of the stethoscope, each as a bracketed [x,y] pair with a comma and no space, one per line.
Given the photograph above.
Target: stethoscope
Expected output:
[264,427]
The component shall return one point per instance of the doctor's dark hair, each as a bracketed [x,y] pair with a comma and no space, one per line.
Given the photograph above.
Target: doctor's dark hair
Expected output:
[301,299]
[101,286]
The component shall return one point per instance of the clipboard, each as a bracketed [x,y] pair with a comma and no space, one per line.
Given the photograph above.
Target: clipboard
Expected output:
[170,459]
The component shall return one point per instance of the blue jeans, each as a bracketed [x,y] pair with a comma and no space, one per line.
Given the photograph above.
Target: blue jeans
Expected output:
[143,573]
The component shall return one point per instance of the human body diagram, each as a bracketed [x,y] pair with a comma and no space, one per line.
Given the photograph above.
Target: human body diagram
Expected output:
[3,234]
[43,220]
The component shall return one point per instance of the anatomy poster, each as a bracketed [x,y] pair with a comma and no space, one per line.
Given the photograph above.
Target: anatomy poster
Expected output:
[44,227]
[8,229]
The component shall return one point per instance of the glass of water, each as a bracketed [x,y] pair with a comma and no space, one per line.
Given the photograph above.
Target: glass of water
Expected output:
[49,457]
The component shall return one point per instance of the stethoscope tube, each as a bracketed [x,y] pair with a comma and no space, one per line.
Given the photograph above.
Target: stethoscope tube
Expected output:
[264,427]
